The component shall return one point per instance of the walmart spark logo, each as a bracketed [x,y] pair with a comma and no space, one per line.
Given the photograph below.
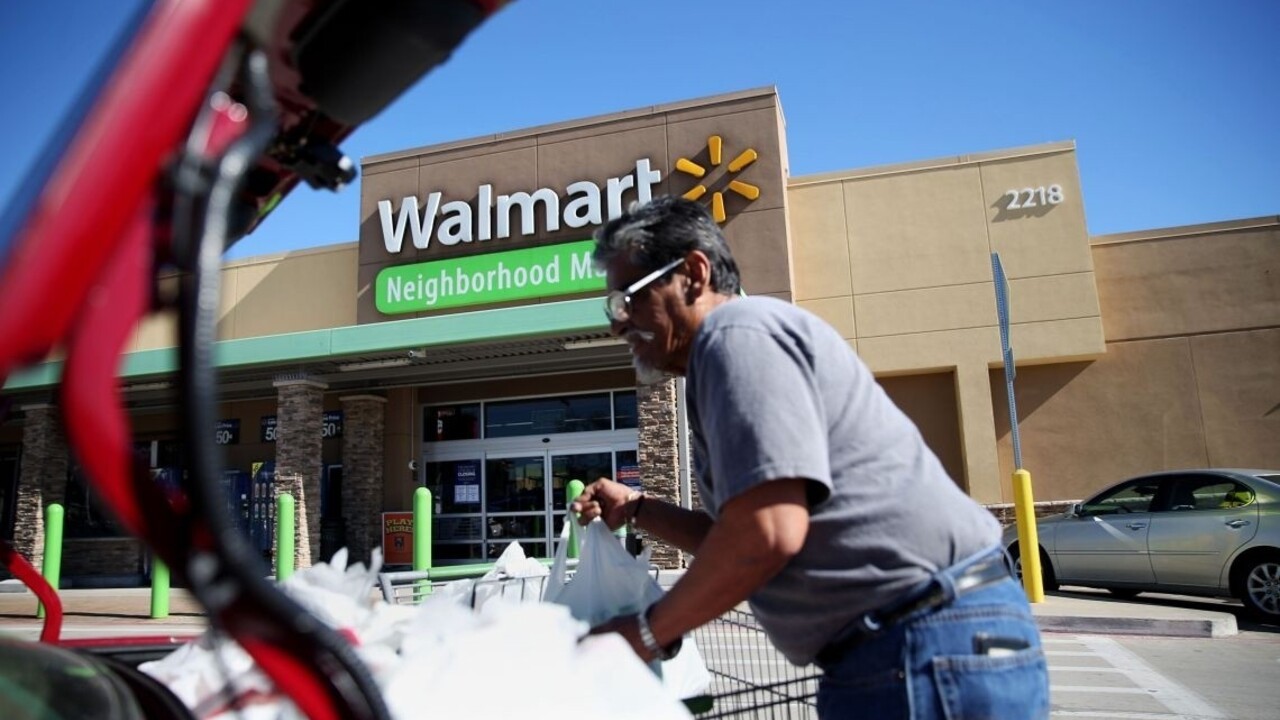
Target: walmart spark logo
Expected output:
[715,147]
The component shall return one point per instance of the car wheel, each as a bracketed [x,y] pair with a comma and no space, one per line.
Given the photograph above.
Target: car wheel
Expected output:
[1047,577]
[1124,593]
[1260,587]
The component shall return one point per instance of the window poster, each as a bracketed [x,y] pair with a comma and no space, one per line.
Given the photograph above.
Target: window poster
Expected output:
[466,483]
[629,475]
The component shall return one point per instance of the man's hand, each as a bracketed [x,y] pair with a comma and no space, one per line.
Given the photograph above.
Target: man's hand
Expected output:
[604,498]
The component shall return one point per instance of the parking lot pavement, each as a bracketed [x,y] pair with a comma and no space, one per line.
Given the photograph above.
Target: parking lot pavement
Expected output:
[1091,676]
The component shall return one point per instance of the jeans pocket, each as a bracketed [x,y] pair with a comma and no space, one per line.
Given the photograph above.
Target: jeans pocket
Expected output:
[881,695]
[987,687]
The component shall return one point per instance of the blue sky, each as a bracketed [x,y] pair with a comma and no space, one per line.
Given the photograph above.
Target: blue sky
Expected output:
[1174,104]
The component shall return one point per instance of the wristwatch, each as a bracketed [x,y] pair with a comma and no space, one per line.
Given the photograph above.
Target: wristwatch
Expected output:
[650,642]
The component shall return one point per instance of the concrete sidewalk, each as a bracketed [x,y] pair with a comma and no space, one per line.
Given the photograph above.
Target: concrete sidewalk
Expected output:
[1094,612]
[126,611]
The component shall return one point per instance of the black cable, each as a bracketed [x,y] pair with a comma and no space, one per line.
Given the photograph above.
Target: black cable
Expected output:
[229,580]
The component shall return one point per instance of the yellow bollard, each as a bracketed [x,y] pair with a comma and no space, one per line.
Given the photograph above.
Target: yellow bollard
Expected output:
[1028,538]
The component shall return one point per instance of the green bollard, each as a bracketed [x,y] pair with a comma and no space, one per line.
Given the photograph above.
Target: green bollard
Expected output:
[52,563]
[571,493]
[422,529]
[159,588]
[284,536]
[422,538]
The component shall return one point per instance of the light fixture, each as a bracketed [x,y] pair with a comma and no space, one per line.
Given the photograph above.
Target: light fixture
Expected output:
[594,343]
[374,364]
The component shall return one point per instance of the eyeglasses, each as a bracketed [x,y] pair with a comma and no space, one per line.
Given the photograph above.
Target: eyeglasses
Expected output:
[617,304]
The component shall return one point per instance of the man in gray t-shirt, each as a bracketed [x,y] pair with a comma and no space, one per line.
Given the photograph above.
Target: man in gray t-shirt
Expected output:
[823,507]
[799,404]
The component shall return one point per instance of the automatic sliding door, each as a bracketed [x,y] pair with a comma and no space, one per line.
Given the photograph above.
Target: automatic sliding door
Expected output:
[516,503]
[587,466]
[458,526]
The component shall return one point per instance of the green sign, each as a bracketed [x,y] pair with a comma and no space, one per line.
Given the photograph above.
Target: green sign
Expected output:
[525,274]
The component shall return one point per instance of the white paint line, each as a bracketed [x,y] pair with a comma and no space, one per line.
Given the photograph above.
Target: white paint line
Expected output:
[1070,653]
[1091,689]
[1112,715]
[1173,695]
[1083,668]
[1058,641]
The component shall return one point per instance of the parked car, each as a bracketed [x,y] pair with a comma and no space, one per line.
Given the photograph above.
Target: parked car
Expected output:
[1213,532]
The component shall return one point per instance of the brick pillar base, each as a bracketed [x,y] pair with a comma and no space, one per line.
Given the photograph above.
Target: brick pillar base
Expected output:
[659,457]
[299,424]
[42,478]
[364,420]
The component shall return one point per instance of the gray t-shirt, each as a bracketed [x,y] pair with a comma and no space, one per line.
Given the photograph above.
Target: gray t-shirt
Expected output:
[774,392]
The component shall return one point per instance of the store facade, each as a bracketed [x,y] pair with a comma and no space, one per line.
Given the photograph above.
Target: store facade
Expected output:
[460,343]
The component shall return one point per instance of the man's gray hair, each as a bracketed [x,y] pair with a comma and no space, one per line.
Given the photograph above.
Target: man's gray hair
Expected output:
[664,229]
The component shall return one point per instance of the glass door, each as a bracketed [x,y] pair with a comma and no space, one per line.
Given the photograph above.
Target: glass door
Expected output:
[587,465]
[458,525]
[515,503]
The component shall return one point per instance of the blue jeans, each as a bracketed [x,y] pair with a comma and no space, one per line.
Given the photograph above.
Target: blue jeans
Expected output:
[977,657]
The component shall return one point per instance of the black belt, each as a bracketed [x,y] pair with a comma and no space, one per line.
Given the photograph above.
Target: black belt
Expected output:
[982,573]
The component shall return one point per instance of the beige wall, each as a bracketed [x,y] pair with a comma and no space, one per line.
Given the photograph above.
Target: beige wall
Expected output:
[1191,376]
[272,294]
[898,259]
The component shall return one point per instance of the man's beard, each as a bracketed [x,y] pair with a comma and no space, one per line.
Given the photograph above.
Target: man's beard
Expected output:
[646,374]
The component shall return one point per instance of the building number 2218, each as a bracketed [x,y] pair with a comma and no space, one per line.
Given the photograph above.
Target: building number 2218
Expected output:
[1033,197]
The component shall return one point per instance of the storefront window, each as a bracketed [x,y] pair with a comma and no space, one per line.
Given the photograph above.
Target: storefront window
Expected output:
[85,517]
[624,410]
[451,422]
[547,416]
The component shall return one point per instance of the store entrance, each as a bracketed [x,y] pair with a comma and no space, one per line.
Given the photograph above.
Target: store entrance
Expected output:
[486,497]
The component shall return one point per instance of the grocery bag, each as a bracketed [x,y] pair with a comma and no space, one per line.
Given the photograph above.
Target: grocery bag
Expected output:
[610,582]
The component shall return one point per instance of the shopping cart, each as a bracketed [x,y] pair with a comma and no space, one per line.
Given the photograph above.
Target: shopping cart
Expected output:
[749,677]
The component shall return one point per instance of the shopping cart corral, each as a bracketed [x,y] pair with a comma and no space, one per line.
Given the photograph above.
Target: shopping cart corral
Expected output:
[749,677]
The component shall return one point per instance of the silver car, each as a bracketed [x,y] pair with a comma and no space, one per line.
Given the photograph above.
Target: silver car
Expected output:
[1195,532]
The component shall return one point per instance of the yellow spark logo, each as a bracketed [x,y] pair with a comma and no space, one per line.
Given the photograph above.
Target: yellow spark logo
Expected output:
[715,146]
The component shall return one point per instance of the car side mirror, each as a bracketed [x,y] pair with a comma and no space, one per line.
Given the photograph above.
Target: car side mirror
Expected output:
[1075,510]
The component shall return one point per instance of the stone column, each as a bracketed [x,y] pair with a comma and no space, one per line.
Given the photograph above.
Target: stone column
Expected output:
[659,456]
[42,478]
[299,421]
[363,420]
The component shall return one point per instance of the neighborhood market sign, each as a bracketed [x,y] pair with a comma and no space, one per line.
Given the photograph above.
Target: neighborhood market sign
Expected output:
[523,274]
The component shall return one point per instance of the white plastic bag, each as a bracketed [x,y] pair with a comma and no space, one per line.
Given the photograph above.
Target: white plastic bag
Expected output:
[610,582]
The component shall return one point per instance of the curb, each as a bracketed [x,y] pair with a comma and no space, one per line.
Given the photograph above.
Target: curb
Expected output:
[1214,625]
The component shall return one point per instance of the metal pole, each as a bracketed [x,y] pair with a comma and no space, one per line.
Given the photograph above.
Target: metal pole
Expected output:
[52,563]
[284,536]
[682,446]
[159,588]
[571,493]
[1023,500]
